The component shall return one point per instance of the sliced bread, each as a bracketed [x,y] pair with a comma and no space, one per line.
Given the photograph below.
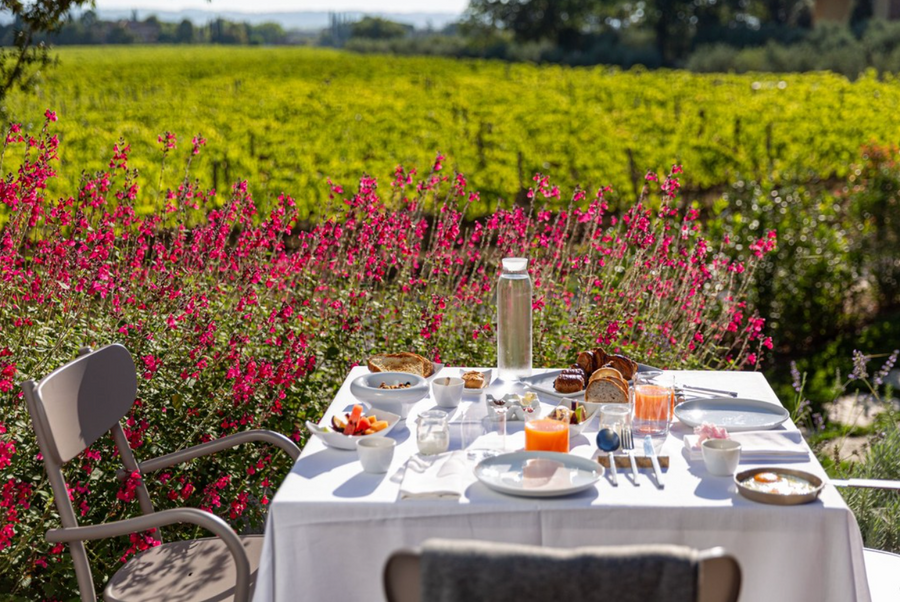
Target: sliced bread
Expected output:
[605,390]
[401,362]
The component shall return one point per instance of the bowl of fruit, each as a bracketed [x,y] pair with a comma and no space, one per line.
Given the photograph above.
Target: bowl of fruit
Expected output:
[342,432]
[578,415]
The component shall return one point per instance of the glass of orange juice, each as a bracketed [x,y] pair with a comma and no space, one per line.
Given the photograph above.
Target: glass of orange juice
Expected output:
[548,434]
[652,405]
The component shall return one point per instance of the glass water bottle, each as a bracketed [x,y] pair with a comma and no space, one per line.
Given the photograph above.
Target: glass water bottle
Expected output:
[514,320]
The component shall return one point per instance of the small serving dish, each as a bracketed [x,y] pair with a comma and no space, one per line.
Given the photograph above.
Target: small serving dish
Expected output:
[778,486]
[472,393]
[337,440]
[590,409]
[518,407]
[371,389]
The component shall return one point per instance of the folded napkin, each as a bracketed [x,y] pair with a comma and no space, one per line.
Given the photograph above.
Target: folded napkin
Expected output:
[461,571]
[759,446]
[439,477]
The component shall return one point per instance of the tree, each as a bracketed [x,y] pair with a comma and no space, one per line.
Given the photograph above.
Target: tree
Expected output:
[185,32]
[20,61]
[563,22]
[375,28]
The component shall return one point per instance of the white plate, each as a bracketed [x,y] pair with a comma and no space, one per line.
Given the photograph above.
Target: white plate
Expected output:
[543,383]
[341,441]
[735,415]
[474,393]
[570,474]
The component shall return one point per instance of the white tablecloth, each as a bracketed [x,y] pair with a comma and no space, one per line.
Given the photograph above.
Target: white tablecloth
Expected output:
[331,526]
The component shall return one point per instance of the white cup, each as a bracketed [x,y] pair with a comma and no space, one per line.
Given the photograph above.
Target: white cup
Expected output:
[447,391]
[376,453]
[721,456]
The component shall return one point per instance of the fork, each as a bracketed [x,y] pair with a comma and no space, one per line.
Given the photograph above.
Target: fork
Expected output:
[628,446]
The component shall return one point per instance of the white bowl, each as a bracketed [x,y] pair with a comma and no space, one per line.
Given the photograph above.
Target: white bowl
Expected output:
[721,456]
[590,412]
[366,389]
[447,391]
[341,441]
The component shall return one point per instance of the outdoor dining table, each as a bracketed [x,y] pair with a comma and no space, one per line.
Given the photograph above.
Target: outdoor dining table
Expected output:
[331,526]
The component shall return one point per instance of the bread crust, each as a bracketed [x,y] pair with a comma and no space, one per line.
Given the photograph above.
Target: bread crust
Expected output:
[401,362]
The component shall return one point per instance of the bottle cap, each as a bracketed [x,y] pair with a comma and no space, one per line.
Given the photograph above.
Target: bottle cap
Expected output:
[515,264]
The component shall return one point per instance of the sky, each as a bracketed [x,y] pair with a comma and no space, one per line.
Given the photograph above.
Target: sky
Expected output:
[267,6]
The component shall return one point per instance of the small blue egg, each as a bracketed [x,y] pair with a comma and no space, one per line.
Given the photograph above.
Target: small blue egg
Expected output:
[607,440]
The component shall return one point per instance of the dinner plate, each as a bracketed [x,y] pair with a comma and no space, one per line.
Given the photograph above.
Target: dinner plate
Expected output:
[337,440]
[538,474]
[735,415]
[543,383]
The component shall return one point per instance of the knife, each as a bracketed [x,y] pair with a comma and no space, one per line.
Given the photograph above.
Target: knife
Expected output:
[651,453]
[614,474]
[705,390]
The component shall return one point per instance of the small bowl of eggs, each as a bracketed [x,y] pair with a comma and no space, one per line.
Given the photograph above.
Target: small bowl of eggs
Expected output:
[779,486]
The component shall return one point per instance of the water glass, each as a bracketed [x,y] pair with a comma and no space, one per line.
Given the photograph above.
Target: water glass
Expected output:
[652,402]
[615,417]
[432,433]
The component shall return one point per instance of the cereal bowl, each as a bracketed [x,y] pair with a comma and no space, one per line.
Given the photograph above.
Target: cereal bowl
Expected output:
[391,391]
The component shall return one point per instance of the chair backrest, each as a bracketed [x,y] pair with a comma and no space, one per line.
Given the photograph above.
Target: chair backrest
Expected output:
[84,399]
[70,409]
[719,577]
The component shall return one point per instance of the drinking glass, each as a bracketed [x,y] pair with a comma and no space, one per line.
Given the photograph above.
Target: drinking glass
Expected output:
[432,432]
[548,434]
[615,417]
[652,402]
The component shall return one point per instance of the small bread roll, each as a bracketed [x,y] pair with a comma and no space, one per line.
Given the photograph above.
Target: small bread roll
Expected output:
[473,379]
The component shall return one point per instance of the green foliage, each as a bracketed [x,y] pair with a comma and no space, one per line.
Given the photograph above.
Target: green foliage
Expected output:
[877,511]
[20,56]
[286,118]
[375,28]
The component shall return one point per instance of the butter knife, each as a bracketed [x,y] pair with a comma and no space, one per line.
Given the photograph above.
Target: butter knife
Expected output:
[614,473]
[651,453]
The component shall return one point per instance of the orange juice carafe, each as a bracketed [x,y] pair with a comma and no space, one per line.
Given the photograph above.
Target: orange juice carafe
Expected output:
[547,434]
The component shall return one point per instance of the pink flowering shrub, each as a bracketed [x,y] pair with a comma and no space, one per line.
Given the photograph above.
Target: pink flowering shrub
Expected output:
[239,319]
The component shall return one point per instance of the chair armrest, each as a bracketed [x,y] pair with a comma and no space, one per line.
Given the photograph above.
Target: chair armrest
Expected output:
[211,447]
[866,483]
[206,520]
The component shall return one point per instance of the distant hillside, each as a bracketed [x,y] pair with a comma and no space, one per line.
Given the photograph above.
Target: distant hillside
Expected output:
[289,20]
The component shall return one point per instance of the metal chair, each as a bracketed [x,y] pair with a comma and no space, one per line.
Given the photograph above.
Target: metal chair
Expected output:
[719,578]
[73,407]
[882,567]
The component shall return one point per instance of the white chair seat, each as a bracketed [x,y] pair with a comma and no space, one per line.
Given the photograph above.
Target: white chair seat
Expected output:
[198,570]
[883,574]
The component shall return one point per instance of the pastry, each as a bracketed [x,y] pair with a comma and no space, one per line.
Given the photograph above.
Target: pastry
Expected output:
[623,364]
[586,362]
[569,381]
[473,379]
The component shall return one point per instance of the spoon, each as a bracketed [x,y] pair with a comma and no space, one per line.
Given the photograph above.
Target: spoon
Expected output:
[608,441]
